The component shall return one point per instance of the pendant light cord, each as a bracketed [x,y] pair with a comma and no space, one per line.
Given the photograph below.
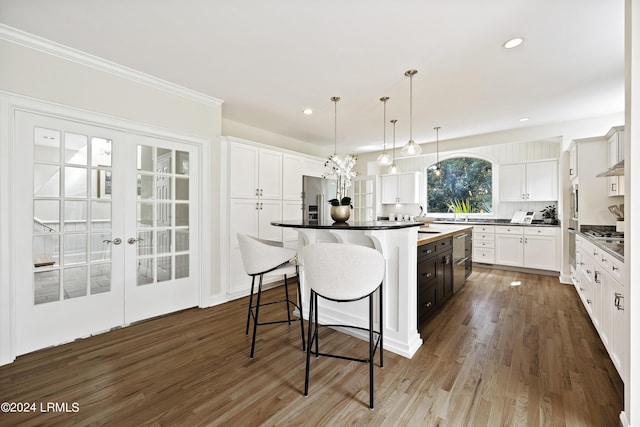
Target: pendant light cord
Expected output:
[335,100]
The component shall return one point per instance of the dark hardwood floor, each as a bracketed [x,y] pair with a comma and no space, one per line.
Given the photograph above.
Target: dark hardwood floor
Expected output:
[495,355]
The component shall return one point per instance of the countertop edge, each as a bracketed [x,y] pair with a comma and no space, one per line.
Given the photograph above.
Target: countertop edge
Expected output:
[600,245]
[368,225]
[430,238]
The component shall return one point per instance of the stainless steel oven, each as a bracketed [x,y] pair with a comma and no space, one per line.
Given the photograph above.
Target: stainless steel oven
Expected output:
[573,203]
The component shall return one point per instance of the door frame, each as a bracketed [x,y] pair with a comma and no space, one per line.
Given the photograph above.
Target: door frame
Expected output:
[9,104]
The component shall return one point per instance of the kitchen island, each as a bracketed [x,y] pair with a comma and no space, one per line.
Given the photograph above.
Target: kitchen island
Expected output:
[398,242]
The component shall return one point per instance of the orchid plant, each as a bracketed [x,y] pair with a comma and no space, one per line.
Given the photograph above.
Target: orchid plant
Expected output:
[340,169]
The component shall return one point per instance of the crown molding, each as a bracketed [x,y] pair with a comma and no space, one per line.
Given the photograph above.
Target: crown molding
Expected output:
[32,41]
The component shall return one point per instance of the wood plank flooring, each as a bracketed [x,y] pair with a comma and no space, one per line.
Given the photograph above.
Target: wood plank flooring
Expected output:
[495,355]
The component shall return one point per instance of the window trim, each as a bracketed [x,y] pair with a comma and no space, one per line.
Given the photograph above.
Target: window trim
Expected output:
[494,185]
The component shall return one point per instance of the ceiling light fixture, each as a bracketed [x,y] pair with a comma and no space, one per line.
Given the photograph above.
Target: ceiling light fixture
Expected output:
[515,42]
[411,148]
[394,168]
[384,159]
[524,119]
[307,111]
[437,170]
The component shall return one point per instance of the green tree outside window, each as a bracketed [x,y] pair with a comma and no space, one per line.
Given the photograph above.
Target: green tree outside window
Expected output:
[462,179]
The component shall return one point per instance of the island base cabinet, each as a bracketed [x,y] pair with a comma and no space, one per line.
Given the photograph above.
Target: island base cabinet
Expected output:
[435,276]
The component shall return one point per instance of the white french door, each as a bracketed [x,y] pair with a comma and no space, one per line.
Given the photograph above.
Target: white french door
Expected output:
[109,220]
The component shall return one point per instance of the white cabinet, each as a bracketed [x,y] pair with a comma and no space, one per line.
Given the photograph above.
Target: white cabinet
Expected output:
[254,172]
[484,244]
[509,246]
[400,188]
[292,177]
[535,181]
[534,247]
[573,161]
[615,143]
[598,274]
[541,248]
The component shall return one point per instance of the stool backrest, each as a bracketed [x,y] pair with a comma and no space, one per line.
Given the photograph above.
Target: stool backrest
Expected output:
[261,257]
[342,271]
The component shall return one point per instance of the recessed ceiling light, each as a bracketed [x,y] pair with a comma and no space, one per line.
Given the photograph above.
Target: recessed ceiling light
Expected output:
[308,111]
[515,42]
[524,119]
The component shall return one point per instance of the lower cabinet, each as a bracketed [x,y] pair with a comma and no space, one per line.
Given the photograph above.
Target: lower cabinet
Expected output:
[435,276]
[597,274]
[534,247]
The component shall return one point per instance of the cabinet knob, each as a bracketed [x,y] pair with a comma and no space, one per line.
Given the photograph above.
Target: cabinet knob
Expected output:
[427,304]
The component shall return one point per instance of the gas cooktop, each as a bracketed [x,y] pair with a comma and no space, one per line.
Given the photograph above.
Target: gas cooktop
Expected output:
[605,235]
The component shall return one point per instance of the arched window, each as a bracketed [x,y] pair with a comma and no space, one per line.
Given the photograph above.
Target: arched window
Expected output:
[463,186]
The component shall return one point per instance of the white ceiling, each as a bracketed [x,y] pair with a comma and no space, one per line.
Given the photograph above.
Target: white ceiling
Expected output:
[268,60]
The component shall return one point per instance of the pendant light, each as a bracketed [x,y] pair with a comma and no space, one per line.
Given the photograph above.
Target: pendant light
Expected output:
[394,168]
[335,100]
[437,170]
[384,159]
[411,148]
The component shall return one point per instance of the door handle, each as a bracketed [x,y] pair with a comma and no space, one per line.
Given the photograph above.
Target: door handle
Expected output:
[133,240]
[115,241]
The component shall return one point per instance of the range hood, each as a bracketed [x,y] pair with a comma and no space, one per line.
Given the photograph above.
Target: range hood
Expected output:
[615,170]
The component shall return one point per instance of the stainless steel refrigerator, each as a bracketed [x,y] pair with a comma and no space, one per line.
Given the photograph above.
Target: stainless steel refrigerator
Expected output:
[316,193]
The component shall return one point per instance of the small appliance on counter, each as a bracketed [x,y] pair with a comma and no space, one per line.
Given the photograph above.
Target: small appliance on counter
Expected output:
[522,217]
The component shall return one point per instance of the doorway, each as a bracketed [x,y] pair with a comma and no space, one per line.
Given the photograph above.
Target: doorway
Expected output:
[110,221]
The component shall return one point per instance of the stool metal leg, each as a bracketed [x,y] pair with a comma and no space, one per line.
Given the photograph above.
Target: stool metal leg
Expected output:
[253,279]
[286,302]
[371,353]
[255,320]
[299,299]
[381,328]
[309,344]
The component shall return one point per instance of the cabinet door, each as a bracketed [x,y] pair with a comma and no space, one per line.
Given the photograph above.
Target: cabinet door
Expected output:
[269,174]
[389,189]
[243,218]
[312,167]
[364,198]
[573,162]
[509,249]
[540,252]
[512,183]
[542,181]
[408,188]
[615,184]
[291,177]
[606,309]
[243,171]
[291,210]
[619,334]
[270,210]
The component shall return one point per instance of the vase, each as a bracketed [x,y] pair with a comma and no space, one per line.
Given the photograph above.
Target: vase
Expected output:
[340,213]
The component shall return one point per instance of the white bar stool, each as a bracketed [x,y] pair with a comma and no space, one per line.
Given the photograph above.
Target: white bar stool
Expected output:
[267,258]
[343,272]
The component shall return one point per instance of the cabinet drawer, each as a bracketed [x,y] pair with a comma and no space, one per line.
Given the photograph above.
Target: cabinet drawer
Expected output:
[483,236]
[509,230]
[484,255]
[540,231]
[483,229]
[611,265]
[427,250]
[427,272]
[484,244]
[426,300]
[444,245]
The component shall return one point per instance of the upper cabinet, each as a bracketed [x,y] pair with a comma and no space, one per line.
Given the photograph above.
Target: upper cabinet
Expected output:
[616,154]
[535,181]
[400,188]
[259,175]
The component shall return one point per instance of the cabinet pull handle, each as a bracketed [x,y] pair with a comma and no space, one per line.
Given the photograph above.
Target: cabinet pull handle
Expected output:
[257,206]
[427,304]
[596,276]
[613,187]
[521,240]
[618,302]
[525,240]
[257,191]
[588,301]
[614,268]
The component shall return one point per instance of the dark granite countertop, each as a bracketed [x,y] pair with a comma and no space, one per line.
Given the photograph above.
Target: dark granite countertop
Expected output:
[500,221]
[349,225]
